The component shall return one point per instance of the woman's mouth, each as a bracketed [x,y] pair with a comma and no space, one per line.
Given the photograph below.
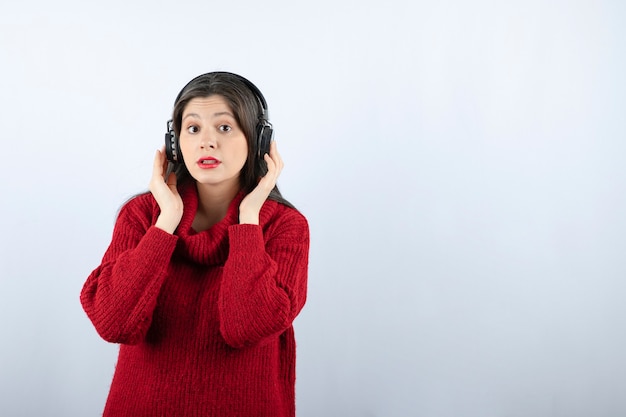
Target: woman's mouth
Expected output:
[208,162]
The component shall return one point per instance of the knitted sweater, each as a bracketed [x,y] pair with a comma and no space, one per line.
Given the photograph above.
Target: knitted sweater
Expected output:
[204,319]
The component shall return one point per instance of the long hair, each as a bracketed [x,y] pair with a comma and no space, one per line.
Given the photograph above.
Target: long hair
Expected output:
[247,110]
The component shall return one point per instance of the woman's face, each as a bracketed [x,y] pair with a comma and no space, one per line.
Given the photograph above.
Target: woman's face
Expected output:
[213,145]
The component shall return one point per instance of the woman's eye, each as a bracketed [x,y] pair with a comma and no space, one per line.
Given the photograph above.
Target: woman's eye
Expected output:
[193,129]
[225,128]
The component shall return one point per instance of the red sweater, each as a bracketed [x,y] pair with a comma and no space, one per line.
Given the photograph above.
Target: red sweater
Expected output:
[204,319]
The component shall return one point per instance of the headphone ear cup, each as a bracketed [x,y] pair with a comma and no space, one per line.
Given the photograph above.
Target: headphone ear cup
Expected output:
[172,150]
[265,135]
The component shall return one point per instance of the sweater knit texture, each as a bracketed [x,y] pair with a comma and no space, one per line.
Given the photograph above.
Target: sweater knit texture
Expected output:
[204,320]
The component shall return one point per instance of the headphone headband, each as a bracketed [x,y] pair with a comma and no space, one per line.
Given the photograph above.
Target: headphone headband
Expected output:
[255,90]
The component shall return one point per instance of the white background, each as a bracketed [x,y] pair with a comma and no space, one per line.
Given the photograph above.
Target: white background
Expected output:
[461,165]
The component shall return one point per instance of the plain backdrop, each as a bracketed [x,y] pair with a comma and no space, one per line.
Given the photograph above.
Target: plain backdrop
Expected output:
[461,165]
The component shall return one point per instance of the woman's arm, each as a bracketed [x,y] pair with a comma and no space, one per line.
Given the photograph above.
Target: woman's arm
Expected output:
[120,295]
[264,280]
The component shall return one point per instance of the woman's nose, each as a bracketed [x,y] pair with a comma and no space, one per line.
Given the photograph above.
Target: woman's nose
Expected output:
[207,141]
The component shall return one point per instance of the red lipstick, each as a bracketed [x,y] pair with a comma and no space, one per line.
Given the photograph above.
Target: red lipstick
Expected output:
[208,162]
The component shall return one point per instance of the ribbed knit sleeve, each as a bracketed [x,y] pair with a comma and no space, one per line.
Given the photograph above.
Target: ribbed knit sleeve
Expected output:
[120,295]
[264,279]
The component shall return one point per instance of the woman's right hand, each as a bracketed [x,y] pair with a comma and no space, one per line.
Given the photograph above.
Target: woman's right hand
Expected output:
[166,194]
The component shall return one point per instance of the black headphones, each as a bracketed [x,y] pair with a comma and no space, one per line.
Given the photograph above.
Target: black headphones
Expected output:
[264,129]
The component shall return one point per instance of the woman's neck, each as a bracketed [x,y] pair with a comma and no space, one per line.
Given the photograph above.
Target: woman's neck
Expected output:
[213,203]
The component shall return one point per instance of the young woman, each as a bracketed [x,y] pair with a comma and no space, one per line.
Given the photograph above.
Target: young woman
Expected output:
[206,272]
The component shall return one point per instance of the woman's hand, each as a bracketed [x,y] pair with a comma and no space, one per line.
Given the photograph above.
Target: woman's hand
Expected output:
[166,194]
[250,206]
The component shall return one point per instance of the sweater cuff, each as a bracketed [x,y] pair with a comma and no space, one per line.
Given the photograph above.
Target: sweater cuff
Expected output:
[246,238]
[158,243]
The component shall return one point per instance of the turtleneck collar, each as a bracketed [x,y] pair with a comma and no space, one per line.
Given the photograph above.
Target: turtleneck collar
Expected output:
[208,247]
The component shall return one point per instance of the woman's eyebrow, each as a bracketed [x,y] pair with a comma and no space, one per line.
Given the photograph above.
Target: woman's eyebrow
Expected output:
[197,116]
[223,113]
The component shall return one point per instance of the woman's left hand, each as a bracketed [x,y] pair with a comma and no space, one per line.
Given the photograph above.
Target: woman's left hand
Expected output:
[250,206]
